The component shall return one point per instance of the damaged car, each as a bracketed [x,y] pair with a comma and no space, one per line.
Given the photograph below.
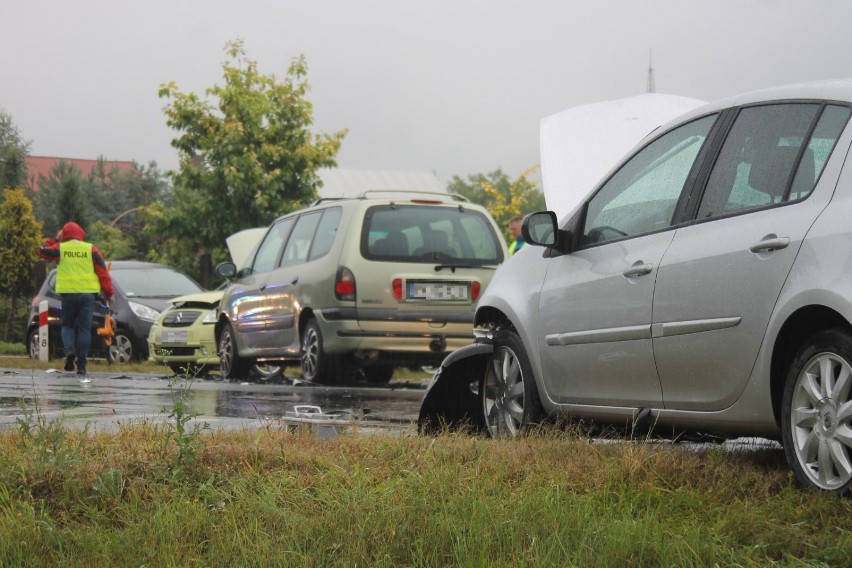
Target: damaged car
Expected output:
[703,286]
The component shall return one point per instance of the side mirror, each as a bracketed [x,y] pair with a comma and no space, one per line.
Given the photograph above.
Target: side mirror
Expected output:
[226,270]
[541,228]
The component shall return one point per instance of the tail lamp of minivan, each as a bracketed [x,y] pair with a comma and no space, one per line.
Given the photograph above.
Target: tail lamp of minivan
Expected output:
[344,284]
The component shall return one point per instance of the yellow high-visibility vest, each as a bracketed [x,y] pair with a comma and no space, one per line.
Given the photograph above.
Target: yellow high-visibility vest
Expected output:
[75,273]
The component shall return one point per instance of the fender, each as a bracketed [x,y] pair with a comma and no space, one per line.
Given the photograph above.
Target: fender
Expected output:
[452,400]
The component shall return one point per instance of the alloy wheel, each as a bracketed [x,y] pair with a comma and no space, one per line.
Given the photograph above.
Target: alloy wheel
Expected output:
[821,421]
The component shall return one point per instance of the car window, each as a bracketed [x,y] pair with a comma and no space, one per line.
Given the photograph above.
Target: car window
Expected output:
[268,251]
[822,142]
[428,233]
[642,195]
[153,282]
[299,243]
[326,232]
[768,158]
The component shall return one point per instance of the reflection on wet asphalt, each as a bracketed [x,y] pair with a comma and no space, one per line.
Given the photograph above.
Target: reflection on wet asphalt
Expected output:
[112,399]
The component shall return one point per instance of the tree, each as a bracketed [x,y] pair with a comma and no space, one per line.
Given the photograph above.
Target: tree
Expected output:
[111,241]
[503,197]
[20,236]
[62,197]
[246,157]
[13,153]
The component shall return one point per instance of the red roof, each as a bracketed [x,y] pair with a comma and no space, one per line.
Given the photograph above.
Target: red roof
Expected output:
[41,165]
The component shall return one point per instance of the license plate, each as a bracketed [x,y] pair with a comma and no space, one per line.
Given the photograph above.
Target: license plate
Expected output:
[438,291]
[174,336]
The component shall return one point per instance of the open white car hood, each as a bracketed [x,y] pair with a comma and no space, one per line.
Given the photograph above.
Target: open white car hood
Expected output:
[242,244]
[581,144]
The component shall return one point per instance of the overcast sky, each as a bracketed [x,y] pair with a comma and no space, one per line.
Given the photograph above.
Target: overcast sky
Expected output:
[456,87]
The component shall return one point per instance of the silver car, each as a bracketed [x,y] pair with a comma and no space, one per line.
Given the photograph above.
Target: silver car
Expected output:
[705,285]
[364,284]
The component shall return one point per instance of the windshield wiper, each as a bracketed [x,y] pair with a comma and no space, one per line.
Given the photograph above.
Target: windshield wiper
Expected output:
[439,267]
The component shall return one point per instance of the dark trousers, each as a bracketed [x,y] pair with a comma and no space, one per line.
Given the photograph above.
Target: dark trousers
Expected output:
[77,313]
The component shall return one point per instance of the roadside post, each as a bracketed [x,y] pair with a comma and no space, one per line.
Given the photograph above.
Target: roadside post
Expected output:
[43,334]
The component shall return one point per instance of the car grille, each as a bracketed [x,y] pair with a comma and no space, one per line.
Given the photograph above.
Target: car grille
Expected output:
[180,318]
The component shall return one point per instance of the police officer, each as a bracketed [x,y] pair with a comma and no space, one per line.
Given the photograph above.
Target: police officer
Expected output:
[81,274]
[517,234]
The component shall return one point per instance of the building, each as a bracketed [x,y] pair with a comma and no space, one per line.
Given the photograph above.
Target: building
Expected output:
[38,166]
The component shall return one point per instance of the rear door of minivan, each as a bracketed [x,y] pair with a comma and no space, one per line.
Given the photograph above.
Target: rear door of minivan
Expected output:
[427,264]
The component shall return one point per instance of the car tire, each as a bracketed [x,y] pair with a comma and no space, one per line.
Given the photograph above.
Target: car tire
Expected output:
[120,352]
[316,365]
[231,365]
[379,374]
[32,345]
[510,400]
[266,372]
[816,422]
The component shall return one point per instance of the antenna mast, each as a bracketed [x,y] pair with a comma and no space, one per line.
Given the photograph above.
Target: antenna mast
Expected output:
[651,87]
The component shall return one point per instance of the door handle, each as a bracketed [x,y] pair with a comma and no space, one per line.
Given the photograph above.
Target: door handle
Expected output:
[638,268]
[295,280]
[770,243]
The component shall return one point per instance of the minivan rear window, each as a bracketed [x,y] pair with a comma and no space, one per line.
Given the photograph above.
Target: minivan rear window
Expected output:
[428,234]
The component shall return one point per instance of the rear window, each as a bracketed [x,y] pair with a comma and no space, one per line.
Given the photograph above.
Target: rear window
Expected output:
[428,234]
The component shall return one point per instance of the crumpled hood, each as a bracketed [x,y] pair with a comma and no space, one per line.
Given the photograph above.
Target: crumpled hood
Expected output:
[72,230]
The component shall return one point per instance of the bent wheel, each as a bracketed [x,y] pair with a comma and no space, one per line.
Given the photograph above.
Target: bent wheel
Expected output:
[816,412]
[510,401]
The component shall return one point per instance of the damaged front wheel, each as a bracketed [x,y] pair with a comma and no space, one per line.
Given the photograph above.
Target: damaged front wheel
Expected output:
[510,400]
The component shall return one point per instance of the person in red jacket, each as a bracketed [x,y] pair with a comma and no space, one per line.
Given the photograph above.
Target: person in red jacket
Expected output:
[81,273]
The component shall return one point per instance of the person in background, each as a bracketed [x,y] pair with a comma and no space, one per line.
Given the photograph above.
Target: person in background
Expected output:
[515,229]
[81,274]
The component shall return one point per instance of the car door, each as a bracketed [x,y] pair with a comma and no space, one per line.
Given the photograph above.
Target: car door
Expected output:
[247,301]
[720,279]
[595,303]
[279,294]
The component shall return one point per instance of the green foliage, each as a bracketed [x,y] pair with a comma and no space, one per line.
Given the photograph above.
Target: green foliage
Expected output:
[13,153]
[20,236]
[12,348]
[268,497]
[246,156]
[62,197]
[504,198]
[186,437]
[44,443]
[111,241]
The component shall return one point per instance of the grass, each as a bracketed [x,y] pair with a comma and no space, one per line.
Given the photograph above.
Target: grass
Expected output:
[158,494]
[271,497]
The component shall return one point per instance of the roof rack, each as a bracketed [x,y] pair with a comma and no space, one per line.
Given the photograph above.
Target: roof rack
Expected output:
[409,192]
[324,199]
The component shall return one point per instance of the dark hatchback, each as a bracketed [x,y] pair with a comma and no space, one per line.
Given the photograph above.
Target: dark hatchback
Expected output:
[142,291]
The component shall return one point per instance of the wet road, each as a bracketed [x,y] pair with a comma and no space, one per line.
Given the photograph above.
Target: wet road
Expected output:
[113,398]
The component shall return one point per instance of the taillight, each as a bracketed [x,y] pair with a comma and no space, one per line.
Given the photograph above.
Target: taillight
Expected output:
[475,288]
[396,286]
[35,302]
[344,284]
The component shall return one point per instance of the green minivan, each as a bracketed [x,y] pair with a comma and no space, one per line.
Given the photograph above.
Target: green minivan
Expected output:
[387,279]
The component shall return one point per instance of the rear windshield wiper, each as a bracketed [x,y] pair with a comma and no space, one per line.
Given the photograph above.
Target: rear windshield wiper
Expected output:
[439,267]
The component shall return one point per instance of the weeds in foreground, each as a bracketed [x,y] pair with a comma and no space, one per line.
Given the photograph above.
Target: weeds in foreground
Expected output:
[186,437]
[272,497]
[47,450]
